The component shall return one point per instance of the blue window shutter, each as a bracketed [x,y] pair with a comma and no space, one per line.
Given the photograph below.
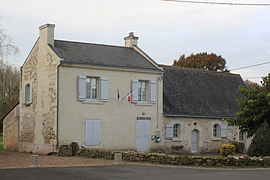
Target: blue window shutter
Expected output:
[169,131]
[81,87]
[104,89]
[135,94]
[96,132]
[153,87]
[223,130]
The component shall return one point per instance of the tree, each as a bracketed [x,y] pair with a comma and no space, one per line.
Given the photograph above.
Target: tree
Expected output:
[210,62]
[9,75]
[251,84]
[260,144]
[254,108]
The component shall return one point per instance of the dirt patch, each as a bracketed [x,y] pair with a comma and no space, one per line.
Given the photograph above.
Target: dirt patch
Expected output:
[23,160]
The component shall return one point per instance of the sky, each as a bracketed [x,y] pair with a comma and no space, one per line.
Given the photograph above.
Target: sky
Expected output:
[166,30]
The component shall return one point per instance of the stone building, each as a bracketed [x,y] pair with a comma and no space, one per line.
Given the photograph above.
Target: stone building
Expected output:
[111,97]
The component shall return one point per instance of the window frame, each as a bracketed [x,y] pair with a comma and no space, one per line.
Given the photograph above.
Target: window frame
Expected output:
[242,135]
[140,91]
[89,97]
[176,131]
[27,94]
[216,131]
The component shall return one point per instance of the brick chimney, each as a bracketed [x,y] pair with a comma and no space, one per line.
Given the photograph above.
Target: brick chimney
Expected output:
[131,40]
[46,34]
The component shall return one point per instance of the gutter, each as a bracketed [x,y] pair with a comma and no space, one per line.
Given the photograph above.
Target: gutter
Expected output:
[197,116]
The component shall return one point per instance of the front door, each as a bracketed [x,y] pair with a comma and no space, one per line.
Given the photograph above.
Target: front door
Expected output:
[143,135]
[194,141]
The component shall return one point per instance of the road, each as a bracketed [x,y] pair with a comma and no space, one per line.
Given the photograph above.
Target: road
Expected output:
[141,172]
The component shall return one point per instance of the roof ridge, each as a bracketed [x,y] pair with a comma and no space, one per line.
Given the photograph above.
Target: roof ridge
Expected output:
[93,43]
[200,70]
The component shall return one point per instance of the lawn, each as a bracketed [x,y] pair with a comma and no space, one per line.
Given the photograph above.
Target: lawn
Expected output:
[1,143]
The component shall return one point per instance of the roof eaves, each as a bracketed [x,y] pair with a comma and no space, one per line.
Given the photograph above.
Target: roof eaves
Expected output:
[197,116]
[114,66]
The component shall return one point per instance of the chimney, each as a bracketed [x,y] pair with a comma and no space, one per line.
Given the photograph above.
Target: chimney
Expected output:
[46,34]
[131,40]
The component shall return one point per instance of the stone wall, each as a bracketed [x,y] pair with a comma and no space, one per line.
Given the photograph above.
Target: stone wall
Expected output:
[10,130]
[38,131]
[217,161]
[207,143]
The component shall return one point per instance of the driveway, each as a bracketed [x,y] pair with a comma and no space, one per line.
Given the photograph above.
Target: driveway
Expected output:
[24,160]
[133,171]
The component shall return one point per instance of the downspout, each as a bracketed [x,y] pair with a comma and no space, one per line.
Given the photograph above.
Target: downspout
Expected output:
[57,118]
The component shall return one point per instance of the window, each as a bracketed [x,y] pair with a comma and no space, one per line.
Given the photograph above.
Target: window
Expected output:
[241,136]
[216,131]
[176,130]
[142,90]
[27,94]
[92,88]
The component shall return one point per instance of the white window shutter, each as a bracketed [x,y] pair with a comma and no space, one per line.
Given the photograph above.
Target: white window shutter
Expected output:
[135,94]
[169,131]
[30,93]
[104,89]
[223,130]
[23,94]
[88,132]
[81,87]
[153,91]
[96,132]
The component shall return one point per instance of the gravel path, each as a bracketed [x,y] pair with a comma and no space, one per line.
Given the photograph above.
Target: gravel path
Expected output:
[23,160]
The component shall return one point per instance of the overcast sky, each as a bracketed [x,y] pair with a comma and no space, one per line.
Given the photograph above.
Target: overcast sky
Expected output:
[166,30]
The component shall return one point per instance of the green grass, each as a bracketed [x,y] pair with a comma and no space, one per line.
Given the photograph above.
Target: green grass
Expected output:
[1,143]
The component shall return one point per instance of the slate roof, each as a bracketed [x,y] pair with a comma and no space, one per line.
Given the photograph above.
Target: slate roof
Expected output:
[101,55]
[199,93]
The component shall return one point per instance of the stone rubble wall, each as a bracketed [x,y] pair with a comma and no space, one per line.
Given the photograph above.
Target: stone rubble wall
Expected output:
[10,130]
[215,161]
[38,132]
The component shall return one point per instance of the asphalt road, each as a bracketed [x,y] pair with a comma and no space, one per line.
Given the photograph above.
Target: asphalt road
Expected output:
[140,172]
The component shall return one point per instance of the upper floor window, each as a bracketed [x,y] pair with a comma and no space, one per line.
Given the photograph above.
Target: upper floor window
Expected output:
[91,88]
[142,90]
[216,131]
[27,94]
[176,130]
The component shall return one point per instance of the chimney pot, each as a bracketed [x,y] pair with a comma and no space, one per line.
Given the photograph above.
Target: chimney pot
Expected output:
[131,40]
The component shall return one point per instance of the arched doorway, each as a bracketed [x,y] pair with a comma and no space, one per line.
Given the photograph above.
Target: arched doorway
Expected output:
[194,141]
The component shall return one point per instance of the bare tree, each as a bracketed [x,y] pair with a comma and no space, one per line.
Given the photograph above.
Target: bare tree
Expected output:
[9,76]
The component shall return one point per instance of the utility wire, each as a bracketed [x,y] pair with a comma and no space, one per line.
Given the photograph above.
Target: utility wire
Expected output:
[219,3]
[250,66]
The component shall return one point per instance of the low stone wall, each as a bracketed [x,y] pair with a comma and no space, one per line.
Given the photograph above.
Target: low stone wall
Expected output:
[10,130]
[162,158]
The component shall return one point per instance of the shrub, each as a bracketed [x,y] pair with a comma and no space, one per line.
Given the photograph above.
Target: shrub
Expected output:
[239,147]
[227,149]
[260,144]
